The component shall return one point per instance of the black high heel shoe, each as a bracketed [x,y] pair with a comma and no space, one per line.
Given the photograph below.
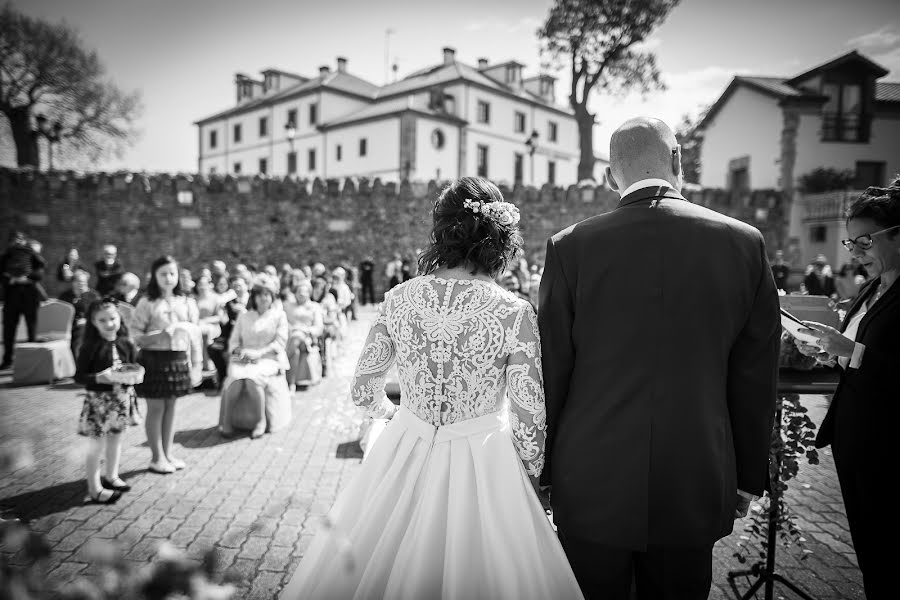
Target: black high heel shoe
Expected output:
[111,486]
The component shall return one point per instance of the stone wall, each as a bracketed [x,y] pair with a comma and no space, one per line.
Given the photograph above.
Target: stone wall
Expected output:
[260,220]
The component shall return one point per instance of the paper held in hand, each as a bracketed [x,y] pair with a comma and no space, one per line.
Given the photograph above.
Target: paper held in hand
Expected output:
[794,325]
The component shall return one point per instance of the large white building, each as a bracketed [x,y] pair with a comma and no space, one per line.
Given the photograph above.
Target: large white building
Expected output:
[767,132]
[442,122]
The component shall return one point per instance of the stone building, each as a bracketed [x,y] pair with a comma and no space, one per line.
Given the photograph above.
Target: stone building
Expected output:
[441,122]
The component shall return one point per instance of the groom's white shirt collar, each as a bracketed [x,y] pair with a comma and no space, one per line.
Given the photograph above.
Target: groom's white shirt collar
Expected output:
[643,183]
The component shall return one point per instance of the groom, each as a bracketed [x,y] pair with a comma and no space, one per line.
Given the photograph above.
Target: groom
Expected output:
[660,329]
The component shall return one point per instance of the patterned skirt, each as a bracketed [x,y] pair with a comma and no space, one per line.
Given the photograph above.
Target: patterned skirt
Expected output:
[167,374]
[109,412]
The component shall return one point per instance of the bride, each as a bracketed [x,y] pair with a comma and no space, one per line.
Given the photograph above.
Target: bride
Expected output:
[445,504]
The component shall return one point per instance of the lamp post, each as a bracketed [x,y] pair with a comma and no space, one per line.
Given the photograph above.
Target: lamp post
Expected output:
[531,143]
[51,134]
[290,131]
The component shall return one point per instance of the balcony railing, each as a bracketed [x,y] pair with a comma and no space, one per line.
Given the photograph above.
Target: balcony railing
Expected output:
[849,127]
[827,206]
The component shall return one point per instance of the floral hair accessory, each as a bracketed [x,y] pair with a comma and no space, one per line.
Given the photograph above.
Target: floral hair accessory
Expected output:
[503,214]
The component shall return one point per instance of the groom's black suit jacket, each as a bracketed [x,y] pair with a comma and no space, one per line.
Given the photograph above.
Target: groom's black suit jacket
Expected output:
[660,331]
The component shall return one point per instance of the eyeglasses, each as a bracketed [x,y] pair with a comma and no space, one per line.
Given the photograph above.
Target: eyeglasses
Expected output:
[865,241]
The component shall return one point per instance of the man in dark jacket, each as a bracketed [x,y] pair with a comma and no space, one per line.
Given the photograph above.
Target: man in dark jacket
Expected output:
[109,270]
[21,270]
[660,333]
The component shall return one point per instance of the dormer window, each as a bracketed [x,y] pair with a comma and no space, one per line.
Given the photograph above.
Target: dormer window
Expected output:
[843,119]
[511,73]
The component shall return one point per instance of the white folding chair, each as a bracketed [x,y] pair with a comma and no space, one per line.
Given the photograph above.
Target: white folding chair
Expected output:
[50,356]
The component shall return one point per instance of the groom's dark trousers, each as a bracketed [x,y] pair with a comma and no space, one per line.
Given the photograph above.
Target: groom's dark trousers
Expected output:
[660,333]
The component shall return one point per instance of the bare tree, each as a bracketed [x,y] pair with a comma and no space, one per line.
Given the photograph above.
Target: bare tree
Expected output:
[46,70]
[600,40]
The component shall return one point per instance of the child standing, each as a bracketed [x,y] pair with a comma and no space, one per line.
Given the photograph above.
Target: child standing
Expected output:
[158,319]
[109,408]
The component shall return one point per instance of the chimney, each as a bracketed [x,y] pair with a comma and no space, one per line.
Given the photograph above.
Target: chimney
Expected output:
[341,64]
[324,70]
[482,64]
[449,55]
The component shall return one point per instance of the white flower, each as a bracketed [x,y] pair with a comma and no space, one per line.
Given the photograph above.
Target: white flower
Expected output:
[503,214]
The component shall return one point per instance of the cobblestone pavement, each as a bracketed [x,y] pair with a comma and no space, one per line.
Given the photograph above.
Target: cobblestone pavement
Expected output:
[260,501]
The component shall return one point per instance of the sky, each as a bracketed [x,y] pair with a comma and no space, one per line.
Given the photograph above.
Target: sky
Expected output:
[182,55]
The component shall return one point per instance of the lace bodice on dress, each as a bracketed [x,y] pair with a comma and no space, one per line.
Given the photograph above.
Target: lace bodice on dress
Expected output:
[462,347]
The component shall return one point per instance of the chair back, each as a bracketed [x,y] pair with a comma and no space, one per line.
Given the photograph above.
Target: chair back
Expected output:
[54,320]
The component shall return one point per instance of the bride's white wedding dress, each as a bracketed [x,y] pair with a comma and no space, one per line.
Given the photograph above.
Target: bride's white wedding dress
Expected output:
[442,506]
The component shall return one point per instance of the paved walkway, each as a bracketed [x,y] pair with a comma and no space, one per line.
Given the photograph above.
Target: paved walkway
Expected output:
[260,501]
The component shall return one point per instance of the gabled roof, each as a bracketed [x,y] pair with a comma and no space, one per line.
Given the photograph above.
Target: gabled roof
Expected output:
[337,81]
[787,88]
[852,56]
[389,108]
[456,71]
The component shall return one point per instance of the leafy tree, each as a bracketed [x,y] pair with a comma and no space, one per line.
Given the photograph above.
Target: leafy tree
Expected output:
[599,39]
[826,179]
[46,70]
[691,139]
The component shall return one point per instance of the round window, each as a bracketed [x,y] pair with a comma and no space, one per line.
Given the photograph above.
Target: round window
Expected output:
[437,139]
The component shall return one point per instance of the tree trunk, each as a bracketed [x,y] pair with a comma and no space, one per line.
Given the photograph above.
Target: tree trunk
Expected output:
[26,142]
[585,122]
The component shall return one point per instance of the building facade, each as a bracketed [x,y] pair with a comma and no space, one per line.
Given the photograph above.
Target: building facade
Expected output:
[441,122]
[767,132]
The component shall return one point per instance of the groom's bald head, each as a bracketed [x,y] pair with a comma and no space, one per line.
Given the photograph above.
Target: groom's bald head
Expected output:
[643,148]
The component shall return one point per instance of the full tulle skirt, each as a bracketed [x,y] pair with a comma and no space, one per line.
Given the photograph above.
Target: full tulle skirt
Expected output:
[445,512]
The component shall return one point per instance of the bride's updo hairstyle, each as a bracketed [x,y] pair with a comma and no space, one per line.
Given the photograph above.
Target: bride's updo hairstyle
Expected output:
[473,228]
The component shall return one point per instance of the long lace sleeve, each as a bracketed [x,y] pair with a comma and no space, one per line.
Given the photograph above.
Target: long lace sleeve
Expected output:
[525,390]
[377,357]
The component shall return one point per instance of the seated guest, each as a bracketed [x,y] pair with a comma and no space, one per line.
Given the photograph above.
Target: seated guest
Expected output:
[212,314]
[326,298]
[859,425]
[342,291]
[218,269]
[255,394]
[305,328]
[235,303]
[511,283]
[220,285]
[81,296]
[819,280]
[781,270]
[847,282]
[109,270]
[128,289]
[68,266]
[186,279]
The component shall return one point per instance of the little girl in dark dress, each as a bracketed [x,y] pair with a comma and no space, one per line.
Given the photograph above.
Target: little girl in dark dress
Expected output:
[109,407]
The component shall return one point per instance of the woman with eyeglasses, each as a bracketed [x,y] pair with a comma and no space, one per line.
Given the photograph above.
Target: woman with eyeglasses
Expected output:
[864,411]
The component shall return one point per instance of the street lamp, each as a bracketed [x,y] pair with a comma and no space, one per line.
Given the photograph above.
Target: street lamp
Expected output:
[51,134]
[531,143]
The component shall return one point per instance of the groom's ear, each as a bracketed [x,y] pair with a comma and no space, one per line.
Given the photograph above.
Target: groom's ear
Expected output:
[676,160]
[611,180]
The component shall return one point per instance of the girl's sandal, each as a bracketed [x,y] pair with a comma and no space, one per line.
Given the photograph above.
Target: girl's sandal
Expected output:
[104,496]
[118,484]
